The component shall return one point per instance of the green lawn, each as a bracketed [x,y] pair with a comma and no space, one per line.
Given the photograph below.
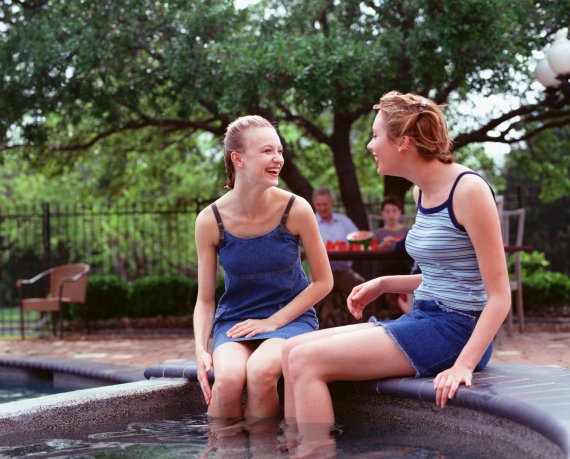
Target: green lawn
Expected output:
[10,323]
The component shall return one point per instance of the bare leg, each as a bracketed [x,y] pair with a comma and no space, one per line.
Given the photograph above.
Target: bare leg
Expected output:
[299,340]
[230,360]
[363,353]
[263,371]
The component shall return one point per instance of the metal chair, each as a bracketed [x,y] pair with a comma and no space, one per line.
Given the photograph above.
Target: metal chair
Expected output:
[512,228]
[67,284]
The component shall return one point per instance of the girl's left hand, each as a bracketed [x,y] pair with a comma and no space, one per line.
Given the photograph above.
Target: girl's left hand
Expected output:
[250,328]
[447,382]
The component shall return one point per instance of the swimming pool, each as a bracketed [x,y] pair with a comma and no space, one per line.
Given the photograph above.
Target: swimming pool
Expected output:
[16,389]
[25,383]
[166,416]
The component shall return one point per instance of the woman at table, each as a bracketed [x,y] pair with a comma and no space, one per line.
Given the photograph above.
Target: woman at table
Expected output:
[256,230]
[461,297]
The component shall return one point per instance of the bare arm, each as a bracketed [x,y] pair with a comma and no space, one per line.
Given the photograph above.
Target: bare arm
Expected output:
[476,211]
[302,222]
[367,292]
[205,303]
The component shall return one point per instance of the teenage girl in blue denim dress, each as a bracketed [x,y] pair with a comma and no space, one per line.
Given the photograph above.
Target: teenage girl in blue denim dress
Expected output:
[255,230]
[462,295]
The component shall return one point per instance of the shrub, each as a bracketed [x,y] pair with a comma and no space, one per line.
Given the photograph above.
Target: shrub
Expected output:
[532,262]
[546,289]
[107,298]
[162,296]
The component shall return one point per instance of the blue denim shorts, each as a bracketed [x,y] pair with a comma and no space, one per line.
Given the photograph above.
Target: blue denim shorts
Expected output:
[432,336]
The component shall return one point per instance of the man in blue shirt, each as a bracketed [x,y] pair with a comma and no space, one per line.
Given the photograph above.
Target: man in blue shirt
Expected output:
[335,227]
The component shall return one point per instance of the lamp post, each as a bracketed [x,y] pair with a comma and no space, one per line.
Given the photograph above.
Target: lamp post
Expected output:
[554,71]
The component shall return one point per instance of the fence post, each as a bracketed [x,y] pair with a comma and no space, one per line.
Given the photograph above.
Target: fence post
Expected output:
[46,231]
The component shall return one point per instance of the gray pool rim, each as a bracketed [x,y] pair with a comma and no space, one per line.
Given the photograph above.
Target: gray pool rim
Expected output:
[130,395]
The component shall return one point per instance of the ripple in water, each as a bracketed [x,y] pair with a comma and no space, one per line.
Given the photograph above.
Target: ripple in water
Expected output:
[194,437]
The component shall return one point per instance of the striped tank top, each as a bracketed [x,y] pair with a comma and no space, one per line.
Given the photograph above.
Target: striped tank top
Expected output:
[444,252]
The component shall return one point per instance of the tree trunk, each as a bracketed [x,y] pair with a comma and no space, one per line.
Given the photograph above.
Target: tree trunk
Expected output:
[396,186]
[292,176]
[296,181]
[348,182]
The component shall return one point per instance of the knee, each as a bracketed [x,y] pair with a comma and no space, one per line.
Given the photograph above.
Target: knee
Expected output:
[289,345]
[229,380]
[299,363]
[262,374]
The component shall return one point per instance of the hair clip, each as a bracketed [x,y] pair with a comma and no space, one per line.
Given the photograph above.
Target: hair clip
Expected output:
[423,104]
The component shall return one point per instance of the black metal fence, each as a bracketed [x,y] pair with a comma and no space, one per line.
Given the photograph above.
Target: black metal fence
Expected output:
[132,240]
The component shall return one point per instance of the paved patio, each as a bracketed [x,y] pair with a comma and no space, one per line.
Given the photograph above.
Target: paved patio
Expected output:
[142,351]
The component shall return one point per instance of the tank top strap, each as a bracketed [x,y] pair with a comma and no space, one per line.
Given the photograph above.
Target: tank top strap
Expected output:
[450,199]
[285,215]
[219,222]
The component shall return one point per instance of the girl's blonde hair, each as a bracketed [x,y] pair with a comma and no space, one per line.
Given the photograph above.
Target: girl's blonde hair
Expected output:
[234,141]
[421,120]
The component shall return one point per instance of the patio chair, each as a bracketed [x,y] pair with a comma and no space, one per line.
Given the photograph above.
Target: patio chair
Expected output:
[512,228]
[67,284]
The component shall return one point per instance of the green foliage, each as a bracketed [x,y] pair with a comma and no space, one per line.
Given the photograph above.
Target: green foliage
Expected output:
[547,224]
[542,289]
[115,95]
[532,262]
[546,160]
[162,296]
[545,289]
[107,298]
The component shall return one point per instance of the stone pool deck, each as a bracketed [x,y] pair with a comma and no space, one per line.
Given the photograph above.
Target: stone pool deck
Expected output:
[538,346]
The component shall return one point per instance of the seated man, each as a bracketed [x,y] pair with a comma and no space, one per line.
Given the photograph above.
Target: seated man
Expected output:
[334,227]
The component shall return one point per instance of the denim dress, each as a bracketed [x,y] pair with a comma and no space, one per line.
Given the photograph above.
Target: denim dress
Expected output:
[262,274]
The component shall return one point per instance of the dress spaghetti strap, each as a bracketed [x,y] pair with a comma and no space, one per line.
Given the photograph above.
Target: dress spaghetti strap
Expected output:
[285,215]
[220,223]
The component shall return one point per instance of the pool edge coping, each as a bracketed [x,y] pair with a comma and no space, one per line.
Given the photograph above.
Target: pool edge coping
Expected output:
[509,391]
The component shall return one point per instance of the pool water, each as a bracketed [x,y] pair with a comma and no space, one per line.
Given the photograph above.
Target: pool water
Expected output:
[12,390]
[191,436]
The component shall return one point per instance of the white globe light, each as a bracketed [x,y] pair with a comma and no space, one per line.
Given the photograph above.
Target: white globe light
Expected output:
[545,75]
[558,55]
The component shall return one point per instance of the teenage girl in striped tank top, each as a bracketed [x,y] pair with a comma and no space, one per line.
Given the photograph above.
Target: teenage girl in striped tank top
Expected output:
[462,295]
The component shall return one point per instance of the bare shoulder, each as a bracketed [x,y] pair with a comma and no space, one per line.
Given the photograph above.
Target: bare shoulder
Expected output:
[206,228]
[472,188]
[301,208]
[301,213]
[473,202]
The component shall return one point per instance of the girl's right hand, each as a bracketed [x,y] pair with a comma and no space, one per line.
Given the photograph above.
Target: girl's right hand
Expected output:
[204,364]
[362,295]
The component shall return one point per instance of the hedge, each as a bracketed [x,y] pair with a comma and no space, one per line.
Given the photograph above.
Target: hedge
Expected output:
[106,298]
[110,297]
[162,296]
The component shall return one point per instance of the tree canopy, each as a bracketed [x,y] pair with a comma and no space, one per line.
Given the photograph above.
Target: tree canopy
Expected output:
[121,81]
